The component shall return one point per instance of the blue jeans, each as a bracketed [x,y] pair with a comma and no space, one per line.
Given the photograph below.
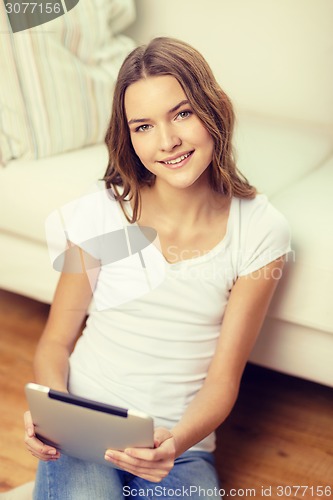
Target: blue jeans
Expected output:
[193,476]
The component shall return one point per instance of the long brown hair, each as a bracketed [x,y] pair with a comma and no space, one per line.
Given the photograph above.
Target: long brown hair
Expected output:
[168,56]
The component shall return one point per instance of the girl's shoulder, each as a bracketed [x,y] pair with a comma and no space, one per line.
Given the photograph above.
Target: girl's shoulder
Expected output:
[260,210]
[95,212]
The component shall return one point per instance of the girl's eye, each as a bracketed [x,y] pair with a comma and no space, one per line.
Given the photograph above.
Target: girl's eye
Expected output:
[184,114]
[143,128]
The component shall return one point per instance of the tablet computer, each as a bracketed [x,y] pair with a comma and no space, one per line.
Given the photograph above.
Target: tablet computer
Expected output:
[83,428]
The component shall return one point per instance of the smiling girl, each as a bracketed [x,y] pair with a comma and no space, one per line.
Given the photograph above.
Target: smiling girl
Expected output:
[176,351]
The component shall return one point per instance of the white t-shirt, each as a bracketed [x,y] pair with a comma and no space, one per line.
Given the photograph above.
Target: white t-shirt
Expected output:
[154,325]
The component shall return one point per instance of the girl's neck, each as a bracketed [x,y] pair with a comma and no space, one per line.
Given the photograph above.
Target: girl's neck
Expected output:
[175,205]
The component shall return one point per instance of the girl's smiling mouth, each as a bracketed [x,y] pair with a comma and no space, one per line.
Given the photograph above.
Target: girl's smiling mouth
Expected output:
[177,161]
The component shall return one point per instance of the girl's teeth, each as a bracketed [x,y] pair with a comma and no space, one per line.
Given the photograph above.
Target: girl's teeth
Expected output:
[177,160]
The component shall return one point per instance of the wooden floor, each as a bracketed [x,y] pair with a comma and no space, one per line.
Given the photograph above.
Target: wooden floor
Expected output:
[278,437]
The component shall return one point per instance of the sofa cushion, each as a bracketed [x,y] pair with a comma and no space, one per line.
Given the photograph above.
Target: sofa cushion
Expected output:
[31,190]
[57,79]
[305,295]
[273,153]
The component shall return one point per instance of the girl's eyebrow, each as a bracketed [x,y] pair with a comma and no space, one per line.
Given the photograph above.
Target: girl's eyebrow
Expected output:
[172,110]
[179,105]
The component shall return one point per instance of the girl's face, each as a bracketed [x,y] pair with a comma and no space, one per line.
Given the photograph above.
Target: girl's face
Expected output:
[167,136]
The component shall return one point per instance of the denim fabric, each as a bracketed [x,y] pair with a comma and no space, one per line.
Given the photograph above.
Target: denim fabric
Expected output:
[193,476]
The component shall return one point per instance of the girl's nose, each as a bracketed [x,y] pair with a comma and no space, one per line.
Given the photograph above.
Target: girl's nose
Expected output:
[169,139]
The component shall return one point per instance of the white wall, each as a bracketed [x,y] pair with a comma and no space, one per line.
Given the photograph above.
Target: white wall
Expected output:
[273,57]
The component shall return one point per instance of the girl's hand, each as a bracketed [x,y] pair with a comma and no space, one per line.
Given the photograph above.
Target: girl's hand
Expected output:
[34,445]
[150,464]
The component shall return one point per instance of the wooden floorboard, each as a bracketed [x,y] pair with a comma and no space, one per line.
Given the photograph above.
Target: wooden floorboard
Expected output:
[278,437]
[21,323]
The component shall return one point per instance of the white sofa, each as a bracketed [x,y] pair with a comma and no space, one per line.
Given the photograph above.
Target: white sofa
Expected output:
[276,66]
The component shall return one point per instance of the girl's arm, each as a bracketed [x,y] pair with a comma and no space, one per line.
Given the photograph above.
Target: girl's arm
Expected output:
[67,313]
[244,315]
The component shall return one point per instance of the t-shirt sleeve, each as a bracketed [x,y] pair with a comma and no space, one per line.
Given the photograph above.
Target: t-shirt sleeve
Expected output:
[82,220]
[68,225]
[94,222]
[85,222]
[265,235]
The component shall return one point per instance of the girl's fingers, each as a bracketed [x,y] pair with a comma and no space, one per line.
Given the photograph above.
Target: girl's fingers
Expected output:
[151,464]
[150,473]
[152,470]
[40,450]
[29,426]
[34,445]
[123,460]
